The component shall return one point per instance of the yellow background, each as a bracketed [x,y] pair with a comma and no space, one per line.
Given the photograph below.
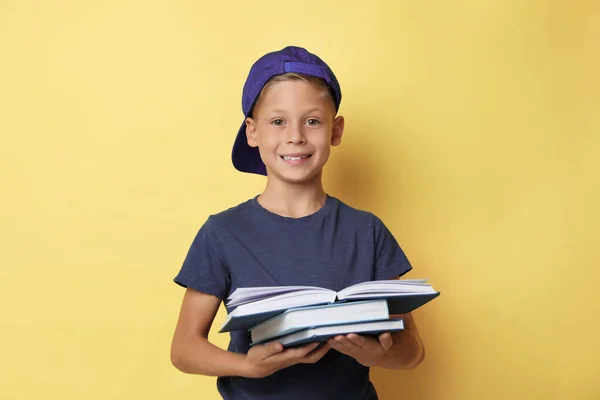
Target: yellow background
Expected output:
[473,131]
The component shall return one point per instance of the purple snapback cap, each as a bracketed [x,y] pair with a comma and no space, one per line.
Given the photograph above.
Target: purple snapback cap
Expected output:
[290,59]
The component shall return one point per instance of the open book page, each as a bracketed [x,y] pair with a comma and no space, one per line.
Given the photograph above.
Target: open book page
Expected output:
[385,288]
[380,288]
[285,301]
[250,294]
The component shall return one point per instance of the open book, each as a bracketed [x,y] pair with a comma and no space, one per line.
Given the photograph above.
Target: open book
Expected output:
[254,305]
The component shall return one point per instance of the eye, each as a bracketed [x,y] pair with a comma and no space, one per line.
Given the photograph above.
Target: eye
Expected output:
[312,122]
[277,122]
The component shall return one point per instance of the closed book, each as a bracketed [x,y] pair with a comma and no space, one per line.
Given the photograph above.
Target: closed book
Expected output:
[295,319]
[322,333]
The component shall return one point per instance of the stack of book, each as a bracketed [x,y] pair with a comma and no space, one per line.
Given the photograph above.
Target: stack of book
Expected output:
[296,315]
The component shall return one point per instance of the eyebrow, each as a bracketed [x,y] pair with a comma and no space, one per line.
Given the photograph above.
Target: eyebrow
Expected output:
[312,110]
[280,111]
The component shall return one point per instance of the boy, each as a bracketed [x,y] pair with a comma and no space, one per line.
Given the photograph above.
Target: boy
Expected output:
[291,234]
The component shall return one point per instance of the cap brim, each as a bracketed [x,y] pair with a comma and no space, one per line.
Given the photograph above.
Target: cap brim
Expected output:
[244,157]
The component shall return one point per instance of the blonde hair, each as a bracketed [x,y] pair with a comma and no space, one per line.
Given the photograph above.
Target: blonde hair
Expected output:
[292,76]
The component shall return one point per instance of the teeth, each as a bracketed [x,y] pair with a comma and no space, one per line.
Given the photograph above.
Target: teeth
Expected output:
[289,158]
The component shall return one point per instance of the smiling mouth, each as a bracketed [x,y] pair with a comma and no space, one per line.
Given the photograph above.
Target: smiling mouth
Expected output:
[295,158]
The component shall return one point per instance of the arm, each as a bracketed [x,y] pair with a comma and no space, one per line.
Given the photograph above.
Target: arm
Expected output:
[407,350]
[192,353]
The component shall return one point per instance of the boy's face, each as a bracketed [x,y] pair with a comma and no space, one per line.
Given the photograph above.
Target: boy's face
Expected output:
[293,125]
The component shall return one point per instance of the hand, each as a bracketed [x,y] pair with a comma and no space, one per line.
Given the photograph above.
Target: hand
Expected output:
[263,360]
[366,350]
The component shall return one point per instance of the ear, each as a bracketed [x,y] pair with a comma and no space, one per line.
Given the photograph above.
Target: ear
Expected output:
[337,131]
[251,132]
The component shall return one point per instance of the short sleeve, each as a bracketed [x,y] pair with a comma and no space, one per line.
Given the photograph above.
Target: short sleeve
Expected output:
[204,268]
[390,260]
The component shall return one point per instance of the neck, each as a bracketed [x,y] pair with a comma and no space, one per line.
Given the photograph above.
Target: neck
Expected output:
[293,200]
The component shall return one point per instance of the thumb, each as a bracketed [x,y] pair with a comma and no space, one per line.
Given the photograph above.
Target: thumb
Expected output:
[385,339]
[272,348]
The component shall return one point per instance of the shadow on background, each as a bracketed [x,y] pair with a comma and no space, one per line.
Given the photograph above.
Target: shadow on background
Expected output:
[353,173]
[417,384]
[357,176]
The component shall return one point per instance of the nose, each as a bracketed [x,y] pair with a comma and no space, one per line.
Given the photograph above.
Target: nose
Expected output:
[295,134]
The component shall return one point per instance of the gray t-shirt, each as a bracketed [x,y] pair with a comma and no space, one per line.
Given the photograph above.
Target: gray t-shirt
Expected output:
[335,247]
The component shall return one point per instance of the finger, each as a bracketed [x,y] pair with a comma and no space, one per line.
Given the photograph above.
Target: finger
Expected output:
[265,351]
[339,339]
[291,355]
[312,356]
[357,340]
[304,350]
[320,347]
[344,341]
[338,345]
[317,354]
[300,352]
[386,341]
[271,348]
